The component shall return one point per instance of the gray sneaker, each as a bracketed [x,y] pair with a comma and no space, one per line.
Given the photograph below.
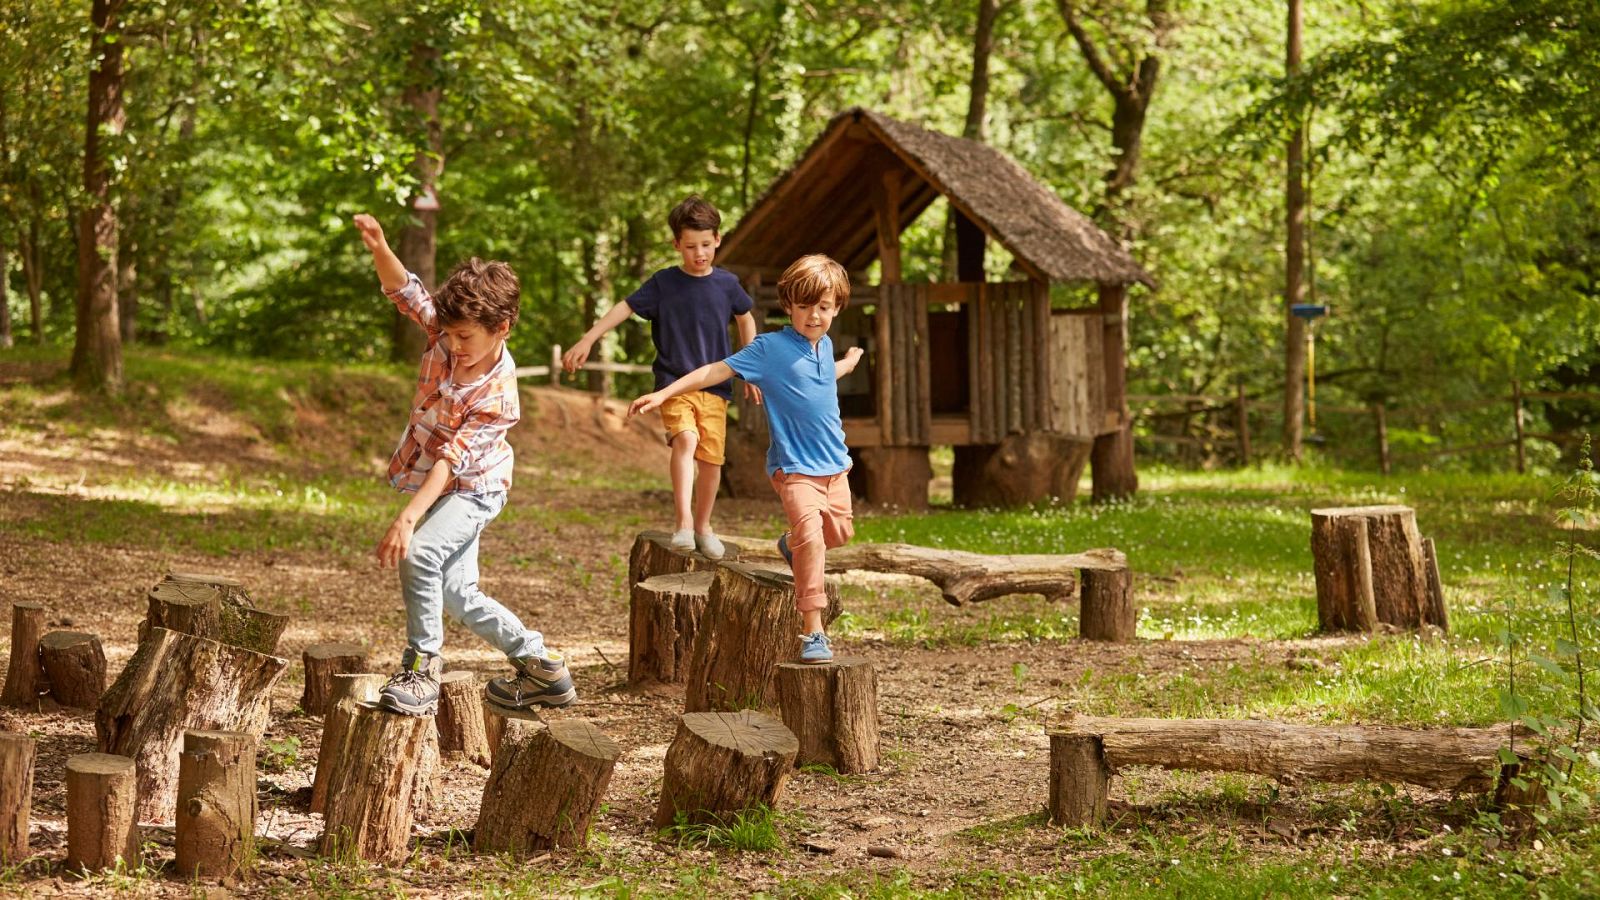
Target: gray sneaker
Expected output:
[682,540]
[709,545]
[414,690]
[534,682]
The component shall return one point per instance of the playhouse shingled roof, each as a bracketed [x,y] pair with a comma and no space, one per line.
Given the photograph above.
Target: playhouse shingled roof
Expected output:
[824,204]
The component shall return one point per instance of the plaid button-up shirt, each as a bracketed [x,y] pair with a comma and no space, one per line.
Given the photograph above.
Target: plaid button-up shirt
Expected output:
[462,424]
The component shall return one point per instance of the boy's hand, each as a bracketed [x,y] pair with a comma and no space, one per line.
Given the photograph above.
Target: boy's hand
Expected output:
[395,544]
[646,403]
[752,393]
[573,359]
[371,232]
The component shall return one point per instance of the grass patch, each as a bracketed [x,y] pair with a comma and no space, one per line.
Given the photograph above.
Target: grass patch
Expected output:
[752,830]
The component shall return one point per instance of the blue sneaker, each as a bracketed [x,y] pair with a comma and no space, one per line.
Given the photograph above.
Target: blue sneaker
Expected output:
[783,548]
[814,648]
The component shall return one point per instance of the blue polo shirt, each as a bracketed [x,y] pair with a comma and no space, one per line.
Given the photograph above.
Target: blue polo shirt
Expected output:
[801,397]
[689,316]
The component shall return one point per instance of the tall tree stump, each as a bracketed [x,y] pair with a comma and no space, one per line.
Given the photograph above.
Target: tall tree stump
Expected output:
[377,779]
[76,667]
[1371,568]
[216,809]
[347,692]
[756,628]
[663,616]
[174,683]
[833,711]
[185,607]
[102,812]
[463,734]
[322,662]
[546,786]
[652,555]
[16,792]
[1105,607]
[1079,779]
[723,762]
[238,621]
[25,679]
[496,718]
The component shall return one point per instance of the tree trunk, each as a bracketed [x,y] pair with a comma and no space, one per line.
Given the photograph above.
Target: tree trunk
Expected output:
[97,348]
[33,278]
[462,729]
[322,662]
[756,625]
[1106,611]
[17,753]
[833,711]
[216,808]
[127,281]
[1079,780]
[75,665]
[652,555]
[102,813]
[5,299]
[895,477]
[977,101]
[663,618]
[378,776]
[347,692]
[418,244]
[1294,257]
[1377,551]
[1023,469]
[546,786]
[723,762]
[25,678]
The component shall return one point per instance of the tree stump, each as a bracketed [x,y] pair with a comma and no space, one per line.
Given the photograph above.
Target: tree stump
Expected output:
[216,809]
[652,555]
[663,615]
[16,792]
[377,778]
[546,786]
[102,812]
[833,711]
[1371,568]
[1436,613]
[185,607]
[322,662]
[76,667]
[756,628]
[25,679]
[347,691]
[894,476]
[463,733]
[239,622]
[723,762]
[1023,469]
[1105,607]
[231,590]
[497,717]
[175,683]
[1079,780]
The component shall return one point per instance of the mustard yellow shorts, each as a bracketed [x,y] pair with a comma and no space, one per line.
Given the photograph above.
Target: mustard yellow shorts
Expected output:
[703,413]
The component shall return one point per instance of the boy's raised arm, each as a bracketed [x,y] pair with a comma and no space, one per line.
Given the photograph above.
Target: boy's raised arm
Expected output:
[391,272]
[574,358]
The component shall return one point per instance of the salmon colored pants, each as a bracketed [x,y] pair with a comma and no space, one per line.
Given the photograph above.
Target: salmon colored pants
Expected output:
[818,508]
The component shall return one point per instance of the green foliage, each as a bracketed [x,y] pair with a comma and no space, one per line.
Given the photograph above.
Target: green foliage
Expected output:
[755,829]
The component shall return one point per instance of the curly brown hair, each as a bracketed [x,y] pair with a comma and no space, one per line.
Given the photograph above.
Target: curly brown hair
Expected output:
[810,277]
[695,213]
[481,291]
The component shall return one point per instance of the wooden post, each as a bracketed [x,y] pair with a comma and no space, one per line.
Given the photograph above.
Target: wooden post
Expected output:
[1241,422]
[24,675]
[16,792]
[833,711]
[347,691]
[723,762]
[322,662]
[460,720]
[663,617]
[1111,461]
[1079,779]
[376,779]
[1105,608]
[1380,418]
[1518,420]
[756,628]
[496,718]
[216,810]
[102,815]
[546,786]
[76,667]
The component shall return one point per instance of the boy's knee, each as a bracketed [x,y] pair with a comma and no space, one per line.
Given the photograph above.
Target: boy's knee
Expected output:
[688,439]
[839,532]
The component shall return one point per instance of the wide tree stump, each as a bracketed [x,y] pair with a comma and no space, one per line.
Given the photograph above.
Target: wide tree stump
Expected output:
[216,809]
[75,665]
[231,589]
[1105,607]
[185,607]
[546,786]
[322,662]
[1079,779]
[1027,468]
[463,734]
[497,717]
[722,762]
[652,555]
[377,778]
[346,693]
[16,792]
[25,679]
[663,616]
[253,629]
[756,627]
[102,812]
[237,621]
[1371,569]
[833,711]
[175,683]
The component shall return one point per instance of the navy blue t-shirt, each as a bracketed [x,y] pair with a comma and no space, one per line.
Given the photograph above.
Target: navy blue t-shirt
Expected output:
[689,318]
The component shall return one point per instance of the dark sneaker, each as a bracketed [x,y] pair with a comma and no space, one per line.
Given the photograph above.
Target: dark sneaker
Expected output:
[783,547]
[814,648]
[534,682]
[414,690]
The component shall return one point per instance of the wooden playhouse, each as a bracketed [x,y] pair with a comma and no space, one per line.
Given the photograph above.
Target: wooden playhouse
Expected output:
[1024,391]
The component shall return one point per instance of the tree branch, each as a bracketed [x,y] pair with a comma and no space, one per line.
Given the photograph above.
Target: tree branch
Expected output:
[1091,53]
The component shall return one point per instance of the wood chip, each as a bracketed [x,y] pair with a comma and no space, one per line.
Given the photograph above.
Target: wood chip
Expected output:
[884,852]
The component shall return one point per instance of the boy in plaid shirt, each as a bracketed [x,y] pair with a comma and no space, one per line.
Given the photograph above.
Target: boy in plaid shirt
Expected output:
[455,463]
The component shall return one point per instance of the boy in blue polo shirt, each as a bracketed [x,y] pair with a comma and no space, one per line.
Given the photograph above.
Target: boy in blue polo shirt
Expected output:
[807,460]
[688,307]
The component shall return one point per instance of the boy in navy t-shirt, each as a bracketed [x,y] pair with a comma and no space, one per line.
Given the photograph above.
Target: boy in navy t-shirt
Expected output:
[808,460]
[688,307]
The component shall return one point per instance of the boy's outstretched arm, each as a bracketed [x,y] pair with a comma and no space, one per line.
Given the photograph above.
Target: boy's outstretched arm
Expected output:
[396,541]
[698,380]
[843,367]
[573,359]
[391,272]
[747,333]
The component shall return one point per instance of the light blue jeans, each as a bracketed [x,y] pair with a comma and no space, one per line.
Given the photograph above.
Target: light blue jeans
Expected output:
[440,574]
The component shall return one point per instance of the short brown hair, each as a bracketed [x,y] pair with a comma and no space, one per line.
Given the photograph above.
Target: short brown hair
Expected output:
[695,213]
[481,291]
[810,277]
